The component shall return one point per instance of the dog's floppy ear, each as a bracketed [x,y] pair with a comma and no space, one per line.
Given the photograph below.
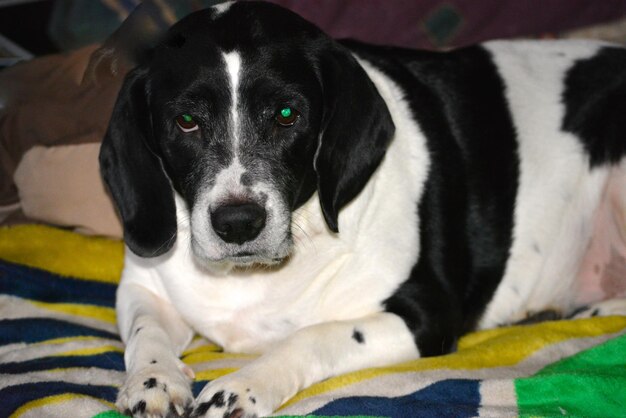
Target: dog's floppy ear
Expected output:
[356,130]
[133,171]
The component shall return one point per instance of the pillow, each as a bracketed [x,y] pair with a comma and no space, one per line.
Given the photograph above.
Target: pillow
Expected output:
[51,126]
[62,186]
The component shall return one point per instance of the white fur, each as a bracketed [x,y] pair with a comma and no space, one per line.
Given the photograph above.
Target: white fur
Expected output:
[557,192]
[233,69]
[311,355]
[222,8]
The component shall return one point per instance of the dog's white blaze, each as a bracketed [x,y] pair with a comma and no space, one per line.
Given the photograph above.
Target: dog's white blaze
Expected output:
[228,181]
[222,8]
[233,68]
[557,193]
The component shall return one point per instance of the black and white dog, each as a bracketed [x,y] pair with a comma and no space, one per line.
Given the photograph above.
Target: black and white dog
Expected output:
[337,206]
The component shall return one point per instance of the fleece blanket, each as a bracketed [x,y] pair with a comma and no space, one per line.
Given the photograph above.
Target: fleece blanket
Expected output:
[60,354]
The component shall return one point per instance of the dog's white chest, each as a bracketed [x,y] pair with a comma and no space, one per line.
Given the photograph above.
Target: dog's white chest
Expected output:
[249,311]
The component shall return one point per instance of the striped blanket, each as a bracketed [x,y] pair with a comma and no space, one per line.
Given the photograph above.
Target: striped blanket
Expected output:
[60,354]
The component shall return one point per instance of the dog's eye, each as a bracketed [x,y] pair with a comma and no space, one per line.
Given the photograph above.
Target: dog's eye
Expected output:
[287,116]
[186,123]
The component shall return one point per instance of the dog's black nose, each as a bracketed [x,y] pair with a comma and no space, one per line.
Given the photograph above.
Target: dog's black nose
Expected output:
[238,223]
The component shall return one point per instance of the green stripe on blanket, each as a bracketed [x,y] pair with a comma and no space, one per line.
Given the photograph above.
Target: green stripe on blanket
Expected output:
[588,384]
[60,354]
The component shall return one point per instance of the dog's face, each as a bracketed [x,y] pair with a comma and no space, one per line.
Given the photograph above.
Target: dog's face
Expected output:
[237,127]
[245,113]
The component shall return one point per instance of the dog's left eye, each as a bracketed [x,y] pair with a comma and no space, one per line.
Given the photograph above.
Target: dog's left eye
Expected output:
[287,116]
[186,123]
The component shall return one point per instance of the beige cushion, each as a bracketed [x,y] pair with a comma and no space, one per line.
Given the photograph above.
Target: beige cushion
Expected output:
[61,185]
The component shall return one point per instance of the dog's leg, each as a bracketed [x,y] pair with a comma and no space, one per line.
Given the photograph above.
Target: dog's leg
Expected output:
[157,383]
[310,355]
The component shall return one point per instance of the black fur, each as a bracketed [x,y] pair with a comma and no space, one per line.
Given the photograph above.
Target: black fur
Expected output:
[595,100]
[358,336]
[466,212]
[356,130]
[131,167]
[150,383]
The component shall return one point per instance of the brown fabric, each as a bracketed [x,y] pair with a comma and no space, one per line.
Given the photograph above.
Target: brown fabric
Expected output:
[46,104]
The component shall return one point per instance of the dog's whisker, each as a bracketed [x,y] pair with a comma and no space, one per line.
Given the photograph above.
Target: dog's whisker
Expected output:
[304,236]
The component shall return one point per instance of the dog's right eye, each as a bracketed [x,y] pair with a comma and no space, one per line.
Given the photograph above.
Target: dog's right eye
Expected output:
[186,123]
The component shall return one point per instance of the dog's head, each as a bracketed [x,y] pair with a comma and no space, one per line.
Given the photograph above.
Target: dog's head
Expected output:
[245,111]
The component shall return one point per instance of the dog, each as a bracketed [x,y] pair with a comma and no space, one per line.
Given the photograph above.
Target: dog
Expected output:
[335,206]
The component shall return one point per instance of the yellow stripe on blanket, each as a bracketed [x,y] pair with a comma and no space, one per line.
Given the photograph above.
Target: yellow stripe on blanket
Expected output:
[101,313]
[206,356]
[204,348]
[498,347]
[63,252]
[213,374]
[91,351]
[64,340]
[42,402]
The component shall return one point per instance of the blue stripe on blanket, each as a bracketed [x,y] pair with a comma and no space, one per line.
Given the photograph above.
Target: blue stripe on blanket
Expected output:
[32,330]
[197,386]
[448,398]
[13,397]
[35,284]
[109,361]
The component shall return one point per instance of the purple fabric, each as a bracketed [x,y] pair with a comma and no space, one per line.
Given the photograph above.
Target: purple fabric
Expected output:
[405,22]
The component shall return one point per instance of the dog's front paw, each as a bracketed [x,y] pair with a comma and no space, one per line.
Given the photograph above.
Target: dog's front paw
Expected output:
[157,391]
[232,396]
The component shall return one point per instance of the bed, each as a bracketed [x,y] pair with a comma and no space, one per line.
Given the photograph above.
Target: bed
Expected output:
[60,353]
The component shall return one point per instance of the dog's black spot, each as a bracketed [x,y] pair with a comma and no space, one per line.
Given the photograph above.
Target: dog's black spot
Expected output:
[172,413]
[252,399]
[217,400]
[201,409]
[358,336]
[150,383]
[595,103]
[139,407]
[153,362]
[137,330]
[595,312]
[164,387]
[246,179]
[128,412]
[232,399]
